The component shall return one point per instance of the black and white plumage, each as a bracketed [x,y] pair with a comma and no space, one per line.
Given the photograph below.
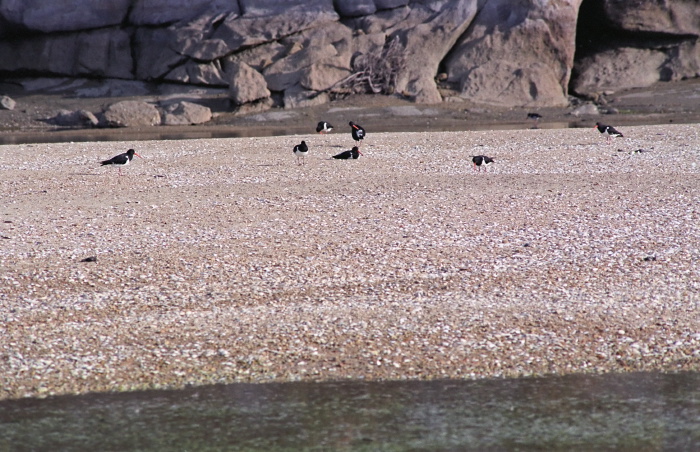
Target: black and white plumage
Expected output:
[535,117]
[608,131]
[635,151]
[481,160]
[358,133]
[354,153]
[121,159]
[324,127]
[301,150]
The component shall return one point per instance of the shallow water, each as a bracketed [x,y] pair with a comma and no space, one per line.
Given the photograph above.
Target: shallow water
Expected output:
[191,133]
[636,411]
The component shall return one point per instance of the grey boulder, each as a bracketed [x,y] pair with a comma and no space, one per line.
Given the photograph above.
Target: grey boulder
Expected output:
[186,113]
[7,103]
[246,84]
[77,118]
[131,113]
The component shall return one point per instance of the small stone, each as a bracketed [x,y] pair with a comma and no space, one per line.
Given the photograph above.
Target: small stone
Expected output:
[7,103]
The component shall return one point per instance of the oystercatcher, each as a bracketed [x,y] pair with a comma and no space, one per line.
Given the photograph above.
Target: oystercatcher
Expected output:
[121,159]
[535,117]
[358,133]
[324,127]
[608,131]
[300,150]
[480,160]
[635,151]
[352,154]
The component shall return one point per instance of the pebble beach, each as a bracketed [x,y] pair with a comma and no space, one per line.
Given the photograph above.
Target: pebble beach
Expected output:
[223,260]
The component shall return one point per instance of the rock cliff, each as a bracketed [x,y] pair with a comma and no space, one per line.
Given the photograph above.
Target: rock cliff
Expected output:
[303,52]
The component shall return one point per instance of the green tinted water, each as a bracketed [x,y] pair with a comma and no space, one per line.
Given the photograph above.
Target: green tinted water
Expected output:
[640,412]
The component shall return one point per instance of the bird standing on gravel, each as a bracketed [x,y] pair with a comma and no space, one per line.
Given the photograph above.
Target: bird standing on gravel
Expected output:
[358,133]
[481,160]
[324,127]
[635,151]
[121,159]
[301,150]
[608,131]
[354,153]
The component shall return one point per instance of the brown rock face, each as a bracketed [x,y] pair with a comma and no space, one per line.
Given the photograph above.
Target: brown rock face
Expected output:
[635,44]
[100,53]
[242,32]
[63,15]
[288,71]
[499,52]
[198,74]
[616,69]
[516,53]
[676,17]
[246,84]
[159,12]
[427,43]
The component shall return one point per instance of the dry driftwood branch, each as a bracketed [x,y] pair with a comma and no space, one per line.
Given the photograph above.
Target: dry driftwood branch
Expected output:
[374,73]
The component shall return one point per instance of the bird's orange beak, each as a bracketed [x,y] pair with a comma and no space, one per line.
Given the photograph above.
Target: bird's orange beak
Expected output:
[137,155]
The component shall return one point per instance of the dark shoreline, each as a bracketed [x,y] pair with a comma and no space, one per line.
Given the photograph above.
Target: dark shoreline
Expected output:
[662,103]
[63,135]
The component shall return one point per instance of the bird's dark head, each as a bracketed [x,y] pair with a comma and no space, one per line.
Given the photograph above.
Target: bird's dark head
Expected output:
[131,153]
[355,149]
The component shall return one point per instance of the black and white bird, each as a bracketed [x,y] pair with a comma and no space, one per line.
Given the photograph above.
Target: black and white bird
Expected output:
[481,160]
[358,133]
[324,127]
[635,151]
[535,117]
[608,131]
[354,153]
[301,150]
[121,159]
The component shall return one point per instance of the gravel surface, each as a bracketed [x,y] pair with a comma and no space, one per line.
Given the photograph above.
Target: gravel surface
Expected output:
[222,260]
